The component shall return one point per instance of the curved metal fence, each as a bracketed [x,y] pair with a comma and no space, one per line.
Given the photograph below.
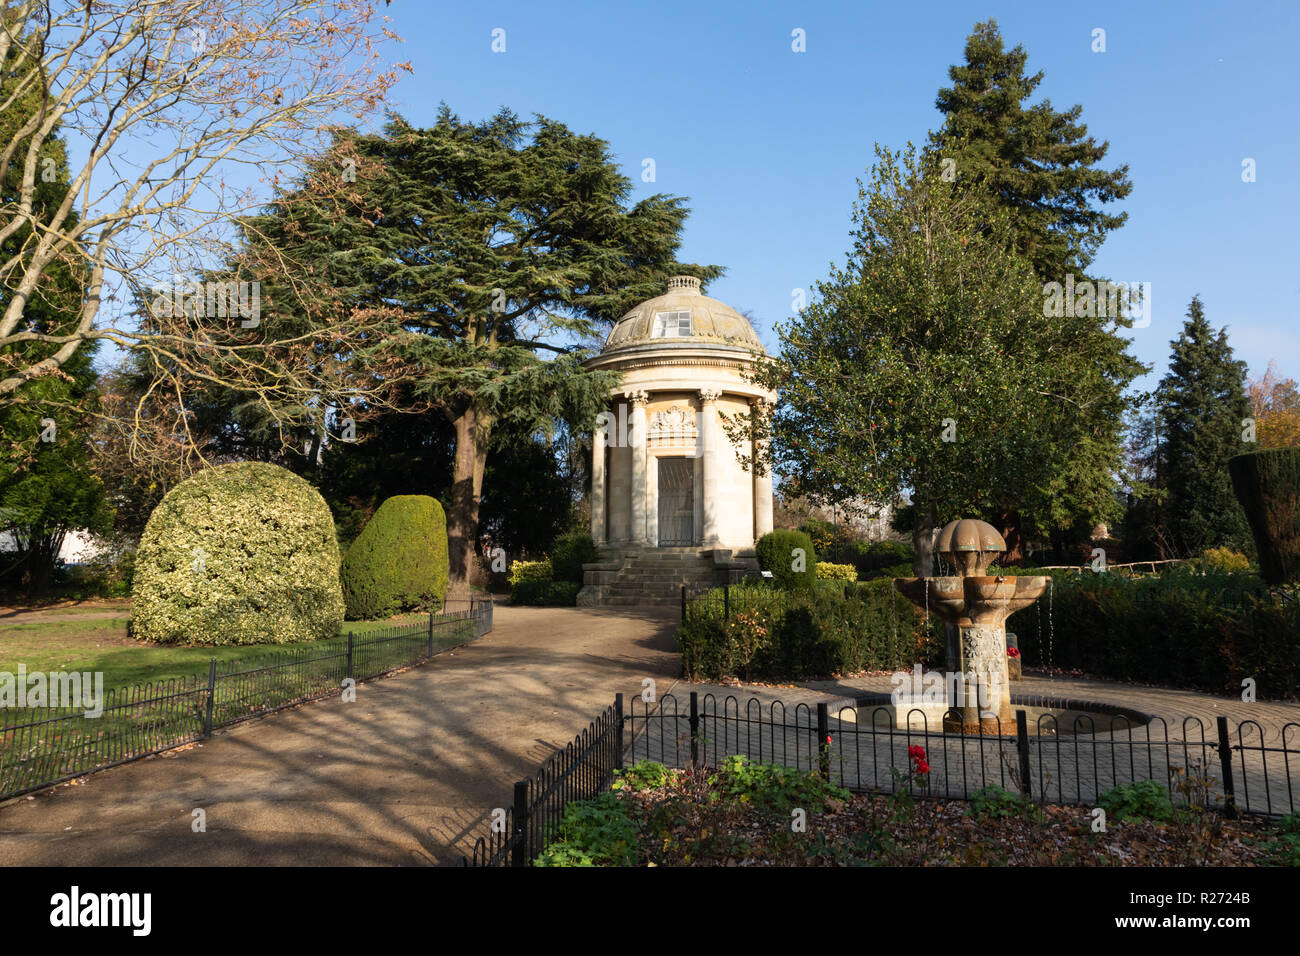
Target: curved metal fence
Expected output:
[44,745]
[1234,767]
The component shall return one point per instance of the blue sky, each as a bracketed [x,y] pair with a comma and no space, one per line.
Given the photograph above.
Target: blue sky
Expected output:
[768,144]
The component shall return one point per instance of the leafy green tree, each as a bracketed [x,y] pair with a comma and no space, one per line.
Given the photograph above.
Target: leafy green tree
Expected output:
[926,362]
[1040,164]
[483,256]
[1202,405]
[47,486]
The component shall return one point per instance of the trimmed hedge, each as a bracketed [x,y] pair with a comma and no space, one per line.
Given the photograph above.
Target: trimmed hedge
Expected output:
[778,552]
[836,572]
[522,571]
[399,561]
[889,573]
[569,553]
[546,593]
[1185,628]
[243,553]
[875,557]
[829,630]
[1267,483]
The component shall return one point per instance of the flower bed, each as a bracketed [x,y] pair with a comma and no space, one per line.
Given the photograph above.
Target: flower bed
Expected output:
[748,814]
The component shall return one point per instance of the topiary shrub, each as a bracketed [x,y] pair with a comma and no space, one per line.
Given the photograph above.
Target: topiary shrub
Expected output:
[238,554]
[789,555]
[399,561]
[569,553]
[1267,483]
[546,593]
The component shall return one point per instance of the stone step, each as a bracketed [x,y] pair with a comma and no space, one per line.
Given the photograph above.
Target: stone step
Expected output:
[639,601]
[627,577]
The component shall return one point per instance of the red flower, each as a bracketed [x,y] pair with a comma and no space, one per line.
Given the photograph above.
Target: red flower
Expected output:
[1013,652]
[919,763]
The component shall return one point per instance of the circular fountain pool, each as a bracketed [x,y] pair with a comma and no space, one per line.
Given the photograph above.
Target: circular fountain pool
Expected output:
[1044,716]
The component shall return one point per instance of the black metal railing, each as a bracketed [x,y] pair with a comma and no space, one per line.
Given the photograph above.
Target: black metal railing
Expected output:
[40,746]
[1074,761]
[1230,765]
[519,833]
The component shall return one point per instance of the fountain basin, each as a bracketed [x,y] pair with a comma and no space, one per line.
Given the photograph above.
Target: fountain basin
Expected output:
[1045,717]
[974,600]
[975,606]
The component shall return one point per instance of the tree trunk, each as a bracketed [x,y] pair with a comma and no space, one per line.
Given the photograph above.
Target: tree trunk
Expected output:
[1009,525]
[38,559]
[922,539]
[473,429]
[313,450]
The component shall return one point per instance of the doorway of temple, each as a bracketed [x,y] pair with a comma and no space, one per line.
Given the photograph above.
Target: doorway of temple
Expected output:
[676,502]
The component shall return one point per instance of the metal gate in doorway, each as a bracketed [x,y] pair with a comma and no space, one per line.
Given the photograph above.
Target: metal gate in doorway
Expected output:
[676,502]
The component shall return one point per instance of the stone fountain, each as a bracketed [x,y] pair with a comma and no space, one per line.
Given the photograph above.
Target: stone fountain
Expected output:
[977,605]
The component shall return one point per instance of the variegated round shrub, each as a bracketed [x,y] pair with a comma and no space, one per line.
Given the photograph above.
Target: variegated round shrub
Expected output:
[238,554]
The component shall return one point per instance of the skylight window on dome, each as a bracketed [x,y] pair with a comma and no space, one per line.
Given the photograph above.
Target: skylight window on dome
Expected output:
[672,325]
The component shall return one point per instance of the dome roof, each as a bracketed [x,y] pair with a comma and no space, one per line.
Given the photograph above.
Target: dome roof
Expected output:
[682,316]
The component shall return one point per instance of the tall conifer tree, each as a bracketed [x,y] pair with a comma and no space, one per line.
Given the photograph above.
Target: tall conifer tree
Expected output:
[1201,405]
[1040,164]
[1038,161]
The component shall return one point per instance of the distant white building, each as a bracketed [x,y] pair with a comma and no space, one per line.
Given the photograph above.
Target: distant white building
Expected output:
[78,546]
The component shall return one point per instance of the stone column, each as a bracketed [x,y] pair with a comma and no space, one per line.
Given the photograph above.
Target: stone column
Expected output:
[709,483]
[637,438]
[598,479]
[652,500]
[762,482]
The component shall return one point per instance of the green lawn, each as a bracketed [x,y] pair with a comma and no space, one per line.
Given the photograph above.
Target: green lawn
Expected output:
[42,745]
[101,644]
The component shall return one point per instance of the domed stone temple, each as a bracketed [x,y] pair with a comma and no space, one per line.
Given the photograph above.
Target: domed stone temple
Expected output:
[672,502]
